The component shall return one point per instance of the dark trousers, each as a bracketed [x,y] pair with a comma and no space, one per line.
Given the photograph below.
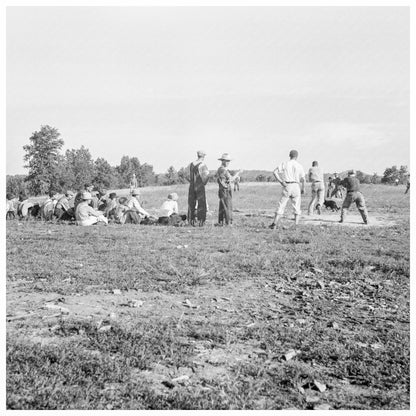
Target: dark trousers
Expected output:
[225,210]
[132,217]
[197,205]
[10,215]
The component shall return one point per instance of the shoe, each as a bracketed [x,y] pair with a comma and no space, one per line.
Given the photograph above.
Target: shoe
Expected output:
[272,226]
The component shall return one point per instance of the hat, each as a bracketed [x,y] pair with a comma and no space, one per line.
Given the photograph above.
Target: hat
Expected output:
[200,153]
[86,195]
[351,172]
[225,156]
[113,195]
[135,192]
[173,196]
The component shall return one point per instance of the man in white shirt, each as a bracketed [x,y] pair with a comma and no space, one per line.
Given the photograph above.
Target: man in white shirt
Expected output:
[134,204]
[316,177]
[87,215]
[169,211]
[292,177]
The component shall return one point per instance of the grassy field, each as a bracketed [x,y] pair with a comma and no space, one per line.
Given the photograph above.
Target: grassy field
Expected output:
[148,317]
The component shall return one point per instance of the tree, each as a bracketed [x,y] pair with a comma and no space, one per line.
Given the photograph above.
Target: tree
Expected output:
[79,168]
[16,184]
[144,173]
[42,157]
[104,174]
[171,176]
[183,175]
[391,174]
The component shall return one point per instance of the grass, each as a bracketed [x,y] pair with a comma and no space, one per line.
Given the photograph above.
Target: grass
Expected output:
[338,295]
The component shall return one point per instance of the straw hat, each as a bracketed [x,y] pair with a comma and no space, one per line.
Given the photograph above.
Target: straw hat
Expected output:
[225,156]
[86,195]
[173,196]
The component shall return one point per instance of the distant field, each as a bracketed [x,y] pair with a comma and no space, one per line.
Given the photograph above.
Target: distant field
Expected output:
[147,317]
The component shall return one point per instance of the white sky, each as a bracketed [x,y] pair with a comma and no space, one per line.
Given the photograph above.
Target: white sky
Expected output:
[160,83]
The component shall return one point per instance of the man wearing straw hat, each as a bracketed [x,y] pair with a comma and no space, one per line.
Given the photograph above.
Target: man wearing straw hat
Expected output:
[291,176]
[87,215]
[225,179]
[198,178]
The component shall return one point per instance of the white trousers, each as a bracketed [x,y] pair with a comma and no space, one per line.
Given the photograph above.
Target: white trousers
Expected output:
[292,192]
[93,220]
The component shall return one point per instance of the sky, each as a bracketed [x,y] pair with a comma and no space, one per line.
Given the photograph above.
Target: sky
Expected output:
[161,83]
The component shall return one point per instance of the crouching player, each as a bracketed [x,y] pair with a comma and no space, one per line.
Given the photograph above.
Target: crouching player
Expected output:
[352,184]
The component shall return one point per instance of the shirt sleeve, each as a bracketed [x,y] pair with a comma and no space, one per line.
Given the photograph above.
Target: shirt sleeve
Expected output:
[204,172]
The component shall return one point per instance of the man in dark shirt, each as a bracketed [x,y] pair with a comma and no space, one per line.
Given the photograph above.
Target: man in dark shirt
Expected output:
[198,178]
[352,184]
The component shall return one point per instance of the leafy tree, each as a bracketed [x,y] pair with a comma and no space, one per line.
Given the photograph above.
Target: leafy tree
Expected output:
[129,165]
[79,167]
[171,176]
[146,175]
[104,174]
[16,184]
[42,157]
[391,174]
[183,175]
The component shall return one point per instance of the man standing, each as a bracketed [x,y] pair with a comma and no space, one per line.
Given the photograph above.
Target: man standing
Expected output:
[352,184]
[198,178]
[336,182]
[237,183]
[224,179]
[407,183]
[316,176]
[292,177]
[133,183]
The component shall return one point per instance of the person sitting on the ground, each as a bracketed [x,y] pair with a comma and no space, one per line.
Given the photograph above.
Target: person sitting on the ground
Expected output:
[103,199]
[136,213]
[121,210]
[111,206]
[85,214]
[25,207]
[47,207]
[62,208]
[169,211]
[78,197]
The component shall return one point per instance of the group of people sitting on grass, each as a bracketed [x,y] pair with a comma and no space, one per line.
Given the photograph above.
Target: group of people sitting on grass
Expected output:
[87,207]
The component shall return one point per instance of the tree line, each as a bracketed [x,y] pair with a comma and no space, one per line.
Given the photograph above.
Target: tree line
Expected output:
[50,170]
